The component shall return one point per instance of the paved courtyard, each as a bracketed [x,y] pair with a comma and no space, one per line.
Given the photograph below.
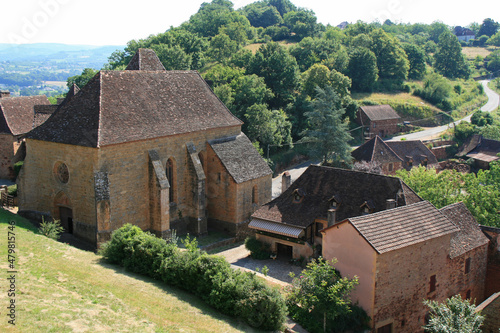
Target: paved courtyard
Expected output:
[279,269]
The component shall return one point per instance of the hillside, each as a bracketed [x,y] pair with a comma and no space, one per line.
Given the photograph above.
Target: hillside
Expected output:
[63,289]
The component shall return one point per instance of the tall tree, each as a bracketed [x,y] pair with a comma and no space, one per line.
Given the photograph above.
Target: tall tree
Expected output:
[416,57]
[362,69]
[436,29]
[326,129]
[82,79]
[279,70]
[302,23]
[449,59]
[455,315]
[488,28]
[283,6]
[392,61]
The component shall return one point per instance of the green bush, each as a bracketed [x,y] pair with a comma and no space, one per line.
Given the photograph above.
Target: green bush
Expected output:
[17,167]
[51,229]
[12,190]
[235,293]
[258,250]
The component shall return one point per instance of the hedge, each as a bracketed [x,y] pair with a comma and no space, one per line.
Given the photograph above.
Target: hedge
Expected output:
[234,293]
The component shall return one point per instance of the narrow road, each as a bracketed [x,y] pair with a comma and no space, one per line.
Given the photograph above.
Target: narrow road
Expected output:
[434,132]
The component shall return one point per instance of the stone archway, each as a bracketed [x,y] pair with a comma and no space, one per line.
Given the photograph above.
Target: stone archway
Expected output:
[63,211]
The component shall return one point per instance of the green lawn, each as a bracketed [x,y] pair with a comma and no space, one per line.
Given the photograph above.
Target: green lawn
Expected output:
[62,289]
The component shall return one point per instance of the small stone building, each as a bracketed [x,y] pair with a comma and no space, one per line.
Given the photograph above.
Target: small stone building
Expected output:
[405,255]
[379,120]
[483,151]
[16,119]
[320,197]
[145,146]
[395,155]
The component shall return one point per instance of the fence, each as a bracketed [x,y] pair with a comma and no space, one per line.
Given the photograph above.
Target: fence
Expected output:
[7,200]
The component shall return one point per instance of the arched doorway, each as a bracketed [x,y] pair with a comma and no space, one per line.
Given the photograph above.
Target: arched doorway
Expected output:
[63,211]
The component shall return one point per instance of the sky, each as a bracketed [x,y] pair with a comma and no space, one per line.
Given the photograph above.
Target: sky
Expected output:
[110,22]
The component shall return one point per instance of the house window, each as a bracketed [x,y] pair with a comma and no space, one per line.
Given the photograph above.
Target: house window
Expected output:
[255,195]
[467,294]
[432,283]
[385,329]
[298,195]
[391,167]
[424,162]
[467,265]
[410,164]
[374,125]
[170,170]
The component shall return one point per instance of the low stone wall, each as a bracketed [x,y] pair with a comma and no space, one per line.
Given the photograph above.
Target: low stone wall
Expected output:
[224,242]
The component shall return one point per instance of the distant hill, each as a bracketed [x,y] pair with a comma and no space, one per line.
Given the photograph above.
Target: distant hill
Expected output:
[83,55]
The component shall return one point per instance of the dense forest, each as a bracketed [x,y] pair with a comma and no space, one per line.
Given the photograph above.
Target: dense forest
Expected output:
[266,60]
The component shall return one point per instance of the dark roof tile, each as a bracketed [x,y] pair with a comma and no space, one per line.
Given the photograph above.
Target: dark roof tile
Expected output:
[240,158]
[17,113]
[393,229]
[470,235]
[379,112]
[319,184]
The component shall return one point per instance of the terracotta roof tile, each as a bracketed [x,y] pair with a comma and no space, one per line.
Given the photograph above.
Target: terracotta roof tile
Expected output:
[403,226]
[17,113]
[470,235]
[240,158]
[319,184]
[379,112]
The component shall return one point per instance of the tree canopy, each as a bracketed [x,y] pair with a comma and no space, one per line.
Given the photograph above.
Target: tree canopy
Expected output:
[449,59]
[454,315]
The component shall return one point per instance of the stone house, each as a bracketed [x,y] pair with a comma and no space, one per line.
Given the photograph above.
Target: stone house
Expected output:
[320,197]
[405,255]
[16,119]
[483,151]
[464,34]
[145,146]
[395,155]
[378,120]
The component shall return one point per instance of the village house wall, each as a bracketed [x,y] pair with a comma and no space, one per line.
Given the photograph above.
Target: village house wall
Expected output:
[359,260]
[77,194]
[386,170]
[298,250]
[469,285]
[7,151]
[403,282]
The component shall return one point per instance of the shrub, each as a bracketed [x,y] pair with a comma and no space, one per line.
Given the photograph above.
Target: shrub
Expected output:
[12,190]
[209,277]
[258,250]
[51,229]
[17,167]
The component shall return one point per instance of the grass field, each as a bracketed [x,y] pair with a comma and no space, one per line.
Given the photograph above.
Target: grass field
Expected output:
[472,52]
[62,289]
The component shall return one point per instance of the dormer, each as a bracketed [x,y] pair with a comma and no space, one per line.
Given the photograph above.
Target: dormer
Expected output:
[425,160]
[334,202]
[410,161]
[367,207]
[298,195]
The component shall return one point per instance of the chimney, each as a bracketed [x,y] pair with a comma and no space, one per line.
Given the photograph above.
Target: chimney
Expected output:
[331,217]
[390,204]
[286,181]
[4,94]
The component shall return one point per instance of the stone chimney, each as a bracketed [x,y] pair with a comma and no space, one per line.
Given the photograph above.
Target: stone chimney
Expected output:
[4,94]
[390,204]
[286,181]
[332,215]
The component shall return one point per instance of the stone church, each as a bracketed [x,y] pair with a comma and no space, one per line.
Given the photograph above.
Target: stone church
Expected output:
[145,146]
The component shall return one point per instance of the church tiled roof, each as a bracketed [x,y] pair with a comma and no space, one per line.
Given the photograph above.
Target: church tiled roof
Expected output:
[240,159]
[17,113]
[136,104]
[318,185]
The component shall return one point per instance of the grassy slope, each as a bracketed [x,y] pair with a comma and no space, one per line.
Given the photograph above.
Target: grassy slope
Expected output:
[63,289]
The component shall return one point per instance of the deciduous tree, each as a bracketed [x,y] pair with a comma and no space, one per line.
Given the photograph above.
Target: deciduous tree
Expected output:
[449,59]
[362,69]
[454,315]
